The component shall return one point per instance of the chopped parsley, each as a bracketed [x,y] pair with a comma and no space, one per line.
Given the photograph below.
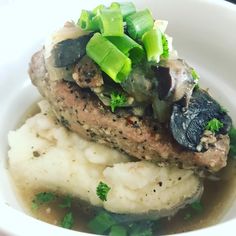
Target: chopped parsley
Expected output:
[165,45]
[214,125]
[67,201]
[41,198]
[117,100]
[102,191]
[197,206]
[67,221]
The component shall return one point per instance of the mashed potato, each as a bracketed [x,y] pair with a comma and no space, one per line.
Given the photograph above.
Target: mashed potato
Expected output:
[44,154]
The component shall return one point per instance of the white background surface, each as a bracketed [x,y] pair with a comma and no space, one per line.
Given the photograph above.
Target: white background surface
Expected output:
[204,34]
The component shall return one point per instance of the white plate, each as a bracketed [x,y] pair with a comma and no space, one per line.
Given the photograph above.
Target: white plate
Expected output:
[204,34]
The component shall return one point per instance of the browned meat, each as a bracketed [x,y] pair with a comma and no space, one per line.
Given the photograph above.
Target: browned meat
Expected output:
[87,74]
[83,113]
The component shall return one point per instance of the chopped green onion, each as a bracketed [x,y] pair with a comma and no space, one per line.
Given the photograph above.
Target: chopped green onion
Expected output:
[232,135]
[97,9]
[165,46]
[214,125]
[102,191]
[117,100]
[139,23]
[129,47]
[152,41]
[67,221]
[127,8]
[101,223]
[87,21]
[118,230]
[110,59]
[111,22]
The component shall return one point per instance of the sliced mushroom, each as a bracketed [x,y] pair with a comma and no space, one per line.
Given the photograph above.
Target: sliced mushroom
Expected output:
[87,74]
[188,126]
[69,51]
[175,80]
[139,84]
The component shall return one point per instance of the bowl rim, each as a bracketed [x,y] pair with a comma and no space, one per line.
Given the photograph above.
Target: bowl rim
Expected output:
[16,222]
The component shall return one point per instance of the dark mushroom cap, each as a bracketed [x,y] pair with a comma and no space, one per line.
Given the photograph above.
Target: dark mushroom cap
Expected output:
[188,126]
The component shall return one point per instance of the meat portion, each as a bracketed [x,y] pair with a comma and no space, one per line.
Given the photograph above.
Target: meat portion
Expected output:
[87,74]
[82,112]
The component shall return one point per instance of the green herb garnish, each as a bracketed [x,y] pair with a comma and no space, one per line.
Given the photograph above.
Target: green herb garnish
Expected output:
[197,206]
[101,223]
[102,191]
[232,135]
[152,41]
[214,125]
[67,201]
[110,59]
[117,100]
[117,230]
[41,198]
[67,221]
[165,46]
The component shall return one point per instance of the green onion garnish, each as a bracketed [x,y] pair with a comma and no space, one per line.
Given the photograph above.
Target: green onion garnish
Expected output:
[101,223]
[129,47]
[127,8]
[152,41]
[110,59]
[111,22]
[97,9]
[117,230]
[87,21]
[138,23]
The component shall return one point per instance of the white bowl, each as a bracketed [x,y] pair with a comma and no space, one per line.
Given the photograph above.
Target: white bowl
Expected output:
[204,34]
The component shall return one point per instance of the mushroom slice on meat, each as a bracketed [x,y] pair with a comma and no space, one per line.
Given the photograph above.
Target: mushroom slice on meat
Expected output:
[188,126]
[175,80]
[87,74]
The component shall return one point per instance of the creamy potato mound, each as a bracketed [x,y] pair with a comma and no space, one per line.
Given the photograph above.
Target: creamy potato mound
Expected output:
[44,154]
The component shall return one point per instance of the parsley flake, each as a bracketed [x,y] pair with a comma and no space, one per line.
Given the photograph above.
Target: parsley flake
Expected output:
[67,221]
[67,201]
[117,100]
[102,191]
[197,206]
[41,198]
[214,125]
[165,45]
